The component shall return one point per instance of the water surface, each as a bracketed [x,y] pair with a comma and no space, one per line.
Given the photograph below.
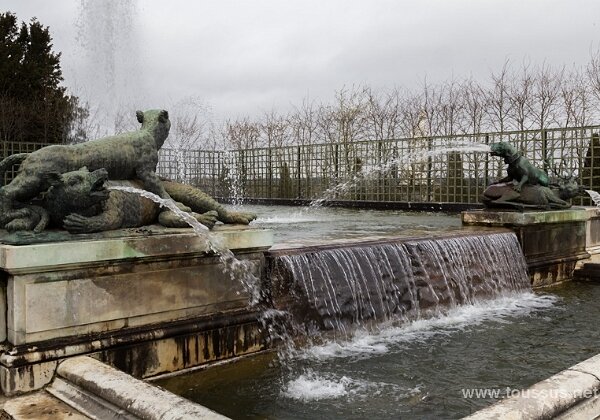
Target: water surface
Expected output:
[324,223]
[415,370]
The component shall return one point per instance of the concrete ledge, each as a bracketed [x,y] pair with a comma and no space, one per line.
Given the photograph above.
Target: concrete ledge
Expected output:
[100,391]
[567,393]
[554,242]
[518,218]
[40,257]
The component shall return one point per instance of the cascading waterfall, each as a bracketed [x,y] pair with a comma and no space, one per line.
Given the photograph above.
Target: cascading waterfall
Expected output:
[333,288]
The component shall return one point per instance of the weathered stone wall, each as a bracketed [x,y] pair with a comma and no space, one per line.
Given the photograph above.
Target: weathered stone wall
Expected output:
[147,303]
[553,242]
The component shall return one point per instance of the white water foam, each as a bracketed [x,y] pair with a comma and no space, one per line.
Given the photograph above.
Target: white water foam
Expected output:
[365,344]
[312,386]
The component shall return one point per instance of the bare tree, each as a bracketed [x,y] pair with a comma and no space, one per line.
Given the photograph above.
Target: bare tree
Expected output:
[411,114]
[520,97]
[190,124]
[450,109]
[125,120]
[475,105]
[429,117]
[498,105]
[576,98]
[303,123]
[12,119]
[545,95]
[274,130]
[593,73]
[382,113]
[242,134]
[348,115]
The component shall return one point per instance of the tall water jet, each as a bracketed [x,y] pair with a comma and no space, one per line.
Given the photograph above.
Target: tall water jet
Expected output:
[234,177]
[110,75]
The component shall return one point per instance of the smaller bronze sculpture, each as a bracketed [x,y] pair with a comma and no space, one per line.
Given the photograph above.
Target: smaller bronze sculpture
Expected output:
[526,186]
[519,168]
[80,202]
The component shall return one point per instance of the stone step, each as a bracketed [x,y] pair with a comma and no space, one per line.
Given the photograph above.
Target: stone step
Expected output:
[103,392]
[37,406]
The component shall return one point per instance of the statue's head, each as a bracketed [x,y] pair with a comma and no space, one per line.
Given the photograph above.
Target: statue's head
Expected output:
[568,187]
[79,189]
[157,121]
[502,149]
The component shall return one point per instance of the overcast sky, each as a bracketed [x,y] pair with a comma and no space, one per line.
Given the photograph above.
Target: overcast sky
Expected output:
[251,56]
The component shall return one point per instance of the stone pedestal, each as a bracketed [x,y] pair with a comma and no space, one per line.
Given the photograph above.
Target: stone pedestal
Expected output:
[553,242]
[592,234]
[148,301]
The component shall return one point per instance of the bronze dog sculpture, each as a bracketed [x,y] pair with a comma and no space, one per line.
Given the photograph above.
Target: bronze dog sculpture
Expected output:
[527,186]
[519,169]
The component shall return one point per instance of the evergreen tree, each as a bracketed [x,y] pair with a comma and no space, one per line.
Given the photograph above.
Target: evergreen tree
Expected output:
[33,106]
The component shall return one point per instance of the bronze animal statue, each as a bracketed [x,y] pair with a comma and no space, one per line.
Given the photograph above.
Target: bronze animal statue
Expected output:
[527,186]
[530,196]
[80,202]
[124,156]
[519,168]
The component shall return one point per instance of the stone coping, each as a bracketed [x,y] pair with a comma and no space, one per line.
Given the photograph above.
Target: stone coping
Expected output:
[317,244]
[101,391]
[551,397]
[530,217]
[592,211]
[128,245]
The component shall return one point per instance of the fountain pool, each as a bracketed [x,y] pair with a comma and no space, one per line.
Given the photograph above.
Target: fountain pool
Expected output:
[292,224]
[415,370]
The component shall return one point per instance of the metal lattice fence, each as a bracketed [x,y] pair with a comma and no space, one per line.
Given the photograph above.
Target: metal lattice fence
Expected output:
[449,169]
[427,170]
[8,148]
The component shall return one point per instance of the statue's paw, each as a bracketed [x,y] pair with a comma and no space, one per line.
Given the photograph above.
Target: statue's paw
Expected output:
[183,207]
[238,218]
[248,216]
[208,219]
[517,188]
[76,223]
[18,218]
[26,234]
[19,225]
